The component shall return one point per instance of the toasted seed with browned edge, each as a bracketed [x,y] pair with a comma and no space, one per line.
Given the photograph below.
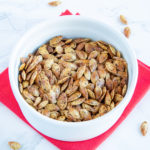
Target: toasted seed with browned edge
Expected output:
[14,145]
[123,19]
[54,3]
[127,32]
[144,128]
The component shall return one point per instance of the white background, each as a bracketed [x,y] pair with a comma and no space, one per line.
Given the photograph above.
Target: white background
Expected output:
[17,16]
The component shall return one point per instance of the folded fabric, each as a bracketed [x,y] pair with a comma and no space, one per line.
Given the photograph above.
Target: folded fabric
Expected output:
[143,84]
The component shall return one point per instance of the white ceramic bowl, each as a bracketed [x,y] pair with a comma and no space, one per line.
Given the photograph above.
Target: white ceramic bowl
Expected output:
[72,27]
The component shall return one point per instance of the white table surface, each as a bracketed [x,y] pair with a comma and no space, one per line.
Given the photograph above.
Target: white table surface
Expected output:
[17,16]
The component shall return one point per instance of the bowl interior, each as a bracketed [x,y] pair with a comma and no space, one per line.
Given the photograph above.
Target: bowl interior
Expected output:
[73,27]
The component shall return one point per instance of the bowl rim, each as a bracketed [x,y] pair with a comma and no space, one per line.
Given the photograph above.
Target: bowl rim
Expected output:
[16,91]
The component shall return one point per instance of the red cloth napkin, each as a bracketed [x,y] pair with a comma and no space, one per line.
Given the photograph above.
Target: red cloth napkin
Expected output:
[143,84]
